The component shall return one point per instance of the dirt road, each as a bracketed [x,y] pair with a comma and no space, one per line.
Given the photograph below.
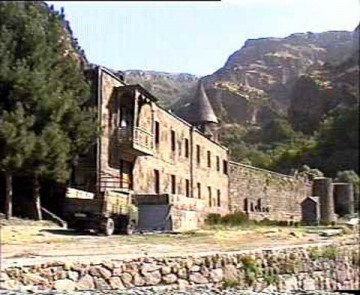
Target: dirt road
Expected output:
[26,244]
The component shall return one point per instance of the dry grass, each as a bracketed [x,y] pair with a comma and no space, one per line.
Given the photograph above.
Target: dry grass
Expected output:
[39,241]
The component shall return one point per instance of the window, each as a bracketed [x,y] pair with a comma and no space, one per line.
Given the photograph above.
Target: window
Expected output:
[156,181]
[125,174]
[209,195]
[198,154]
[173,184]
[218,198]
[209,159]
[157,132]
[186,148]
[173,141]
[187,187]
[199,190]
[225,167]
[217,163]
[246,205]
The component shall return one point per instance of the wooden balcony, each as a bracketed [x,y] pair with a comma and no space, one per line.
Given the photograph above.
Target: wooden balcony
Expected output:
[135,140]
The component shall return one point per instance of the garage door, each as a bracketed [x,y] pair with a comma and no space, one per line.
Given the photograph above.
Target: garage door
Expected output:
[154,217]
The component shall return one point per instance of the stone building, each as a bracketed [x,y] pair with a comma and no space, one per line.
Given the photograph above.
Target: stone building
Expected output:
[176,170]
[154,155]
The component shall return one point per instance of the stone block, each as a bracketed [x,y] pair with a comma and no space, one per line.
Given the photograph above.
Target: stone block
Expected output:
[166,270]
[230,272]
[64,285]
[126,279]
[169,278]
[198,278]
[139,280]
[73,275]
[152,278]
[216,275]
[85,283]
[116,283]
[309,284]
[101,284]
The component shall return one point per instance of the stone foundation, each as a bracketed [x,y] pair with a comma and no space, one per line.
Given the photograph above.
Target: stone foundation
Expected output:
[309,267]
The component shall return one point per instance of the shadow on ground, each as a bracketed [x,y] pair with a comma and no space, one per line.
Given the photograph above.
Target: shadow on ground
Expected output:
[68,232]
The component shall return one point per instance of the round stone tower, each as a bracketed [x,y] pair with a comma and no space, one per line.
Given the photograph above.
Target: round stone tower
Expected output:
[323,188]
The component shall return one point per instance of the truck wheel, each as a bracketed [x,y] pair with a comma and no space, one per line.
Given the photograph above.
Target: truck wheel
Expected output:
[109,227]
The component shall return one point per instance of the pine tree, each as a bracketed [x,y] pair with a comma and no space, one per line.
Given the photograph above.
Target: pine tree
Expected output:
[40,74]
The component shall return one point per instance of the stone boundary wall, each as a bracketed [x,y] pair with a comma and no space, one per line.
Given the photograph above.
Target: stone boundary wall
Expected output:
[265,194]
[309,267]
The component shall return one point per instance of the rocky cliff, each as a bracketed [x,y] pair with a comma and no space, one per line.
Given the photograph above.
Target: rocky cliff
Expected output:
[256,82]
[168,87]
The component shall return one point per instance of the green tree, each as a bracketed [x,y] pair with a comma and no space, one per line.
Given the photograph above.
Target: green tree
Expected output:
[41,71]
[277,130]
[16,142]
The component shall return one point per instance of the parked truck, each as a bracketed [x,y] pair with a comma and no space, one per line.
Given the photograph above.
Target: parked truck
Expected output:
[106,214]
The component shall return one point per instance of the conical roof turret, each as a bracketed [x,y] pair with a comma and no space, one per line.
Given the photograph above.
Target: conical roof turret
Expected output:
[204,108]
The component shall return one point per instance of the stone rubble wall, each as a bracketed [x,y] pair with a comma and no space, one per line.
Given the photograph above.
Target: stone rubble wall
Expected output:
[266,194]
[310,267]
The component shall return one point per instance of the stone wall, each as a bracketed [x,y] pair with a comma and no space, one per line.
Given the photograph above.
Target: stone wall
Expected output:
[177,159]
[265,194]
[184,165]
[309,267]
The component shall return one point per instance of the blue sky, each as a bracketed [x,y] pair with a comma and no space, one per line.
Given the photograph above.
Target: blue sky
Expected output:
[194,38]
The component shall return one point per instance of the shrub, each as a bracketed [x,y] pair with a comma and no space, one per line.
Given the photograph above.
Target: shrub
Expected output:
[271,279]
[329,253]
[213,219]
[233,219]
[314,254]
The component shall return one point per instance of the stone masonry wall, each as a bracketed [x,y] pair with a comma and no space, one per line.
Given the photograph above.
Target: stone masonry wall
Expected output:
[180,162]
[309,267]
[265,194]
[184,167]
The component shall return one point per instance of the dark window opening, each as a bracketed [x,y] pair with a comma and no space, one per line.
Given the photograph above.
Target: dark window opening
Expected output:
[199,190]
[187,187]
[157,132]
[225,168]
[186,148]
[173,141]
[252,207]
[209,159]
[258,205]
[173,184]
[217,163]
[218,198]
[246,205]
[198,154]
[210,197]
[157,181]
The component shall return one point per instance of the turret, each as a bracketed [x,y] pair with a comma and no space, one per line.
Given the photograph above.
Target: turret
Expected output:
[205,118]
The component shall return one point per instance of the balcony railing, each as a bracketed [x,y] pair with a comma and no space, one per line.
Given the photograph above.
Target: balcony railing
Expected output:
[136,137]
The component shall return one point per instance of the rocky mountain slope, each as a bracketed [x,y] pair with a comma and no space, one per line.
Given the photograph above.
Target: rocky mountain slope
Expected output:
[257,81]
[168,87]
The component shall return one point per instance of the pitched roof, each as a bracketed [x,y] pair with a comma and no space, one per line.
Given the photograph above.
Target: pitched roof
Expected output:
[203,106]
